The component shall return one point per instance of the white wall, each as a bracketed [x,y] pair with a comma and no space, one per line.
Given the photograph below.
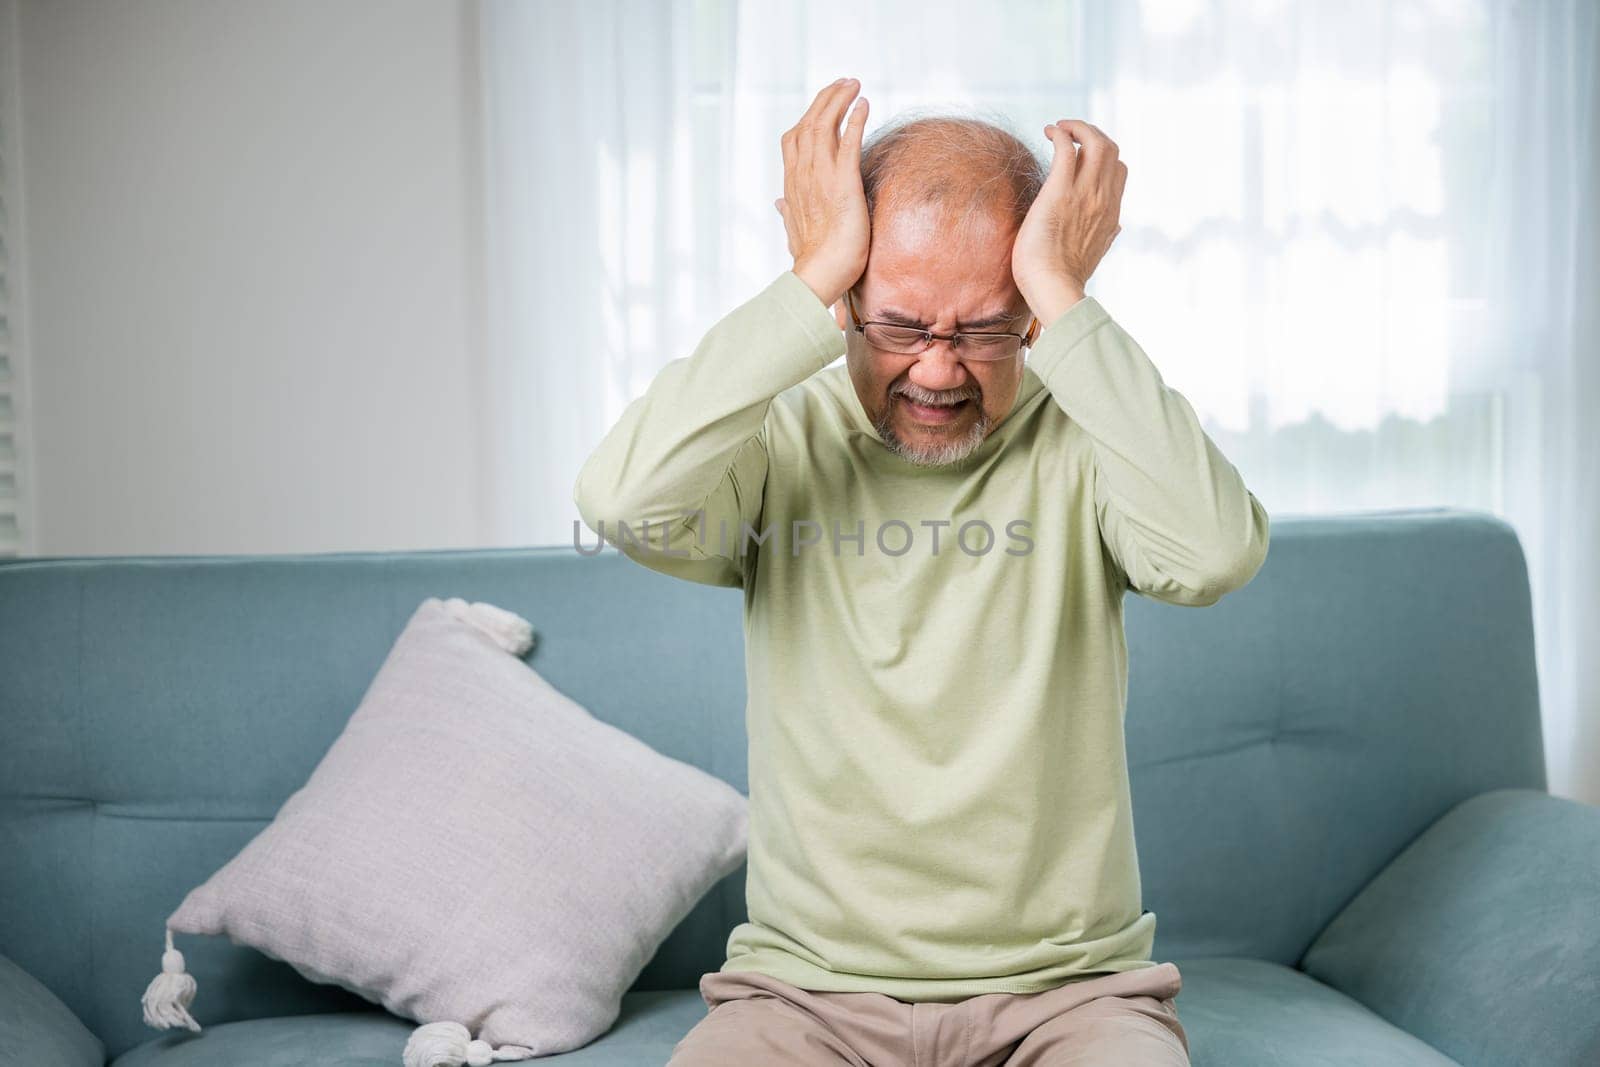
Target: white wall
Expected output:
[254,292]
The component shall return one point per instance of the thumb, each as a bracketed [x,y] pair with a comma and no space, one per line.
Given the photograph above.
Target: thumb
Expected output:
[778,203]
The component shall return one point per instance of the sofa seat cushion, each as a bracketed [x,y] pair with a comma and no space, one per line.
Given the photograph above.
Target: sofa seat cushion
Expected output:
[1252,1013]
[1239,1012]
[650,1024]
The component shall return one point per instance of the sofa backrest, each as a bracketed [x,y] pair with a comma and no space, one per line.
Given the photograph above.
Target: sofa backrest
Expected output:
[1284,744]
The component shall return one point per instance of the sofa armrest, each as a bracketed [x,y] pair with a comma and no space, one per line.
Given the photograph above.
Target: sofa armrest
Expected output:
[1483,936]
[37,1029]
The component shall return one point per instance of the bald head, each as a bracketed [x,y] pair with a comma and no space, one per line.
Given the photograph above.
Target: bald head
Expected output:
[967,170]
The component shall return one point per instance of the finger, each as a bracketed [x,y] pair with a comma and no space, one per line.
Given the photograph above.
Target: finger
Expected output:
[1096,153]
[850,144]
[1114,172]
[1089,133]
[1088,171]
[819,102]
[806,129]
[802,142]
[836,111]
[1065,163]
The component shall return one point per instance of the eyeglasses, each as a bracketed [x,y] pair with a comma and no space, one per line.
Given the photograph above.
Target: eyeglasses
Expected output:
[911,340]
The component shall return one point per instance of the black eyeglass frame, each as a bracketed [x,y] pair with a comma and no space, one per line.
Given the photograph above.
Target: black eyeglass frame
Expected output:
[928,336]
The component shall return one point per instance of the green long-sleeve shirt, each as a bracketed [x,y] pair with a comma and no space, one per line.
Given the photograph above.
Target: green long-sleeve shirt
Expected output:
[939,796]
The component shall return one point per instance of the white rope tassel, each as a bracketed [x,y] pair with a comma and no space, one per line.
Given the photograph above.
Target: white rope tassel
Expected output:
[167,998]
[451,1045]
[510,631]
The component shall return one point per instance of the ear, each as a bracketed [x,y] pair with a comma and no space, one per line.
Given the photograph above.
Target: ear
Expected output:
[841,316]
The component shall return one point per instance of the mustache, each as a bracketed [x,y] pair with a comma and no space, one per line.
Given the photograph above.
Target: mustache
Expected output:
[918,395]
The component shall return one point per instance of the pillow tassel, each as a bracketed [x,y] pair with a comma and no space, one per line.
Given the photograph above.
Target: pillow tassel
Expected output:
[508,629]
[167,998]
[451,1045]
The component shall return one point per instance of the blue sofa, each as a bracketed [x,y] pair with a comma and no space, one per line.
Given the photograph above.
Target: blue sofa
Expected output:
[1338,777]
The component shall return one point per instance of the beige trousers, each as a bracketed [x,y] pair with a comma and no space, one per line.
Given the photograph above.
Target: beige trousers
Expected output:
[1113,1020]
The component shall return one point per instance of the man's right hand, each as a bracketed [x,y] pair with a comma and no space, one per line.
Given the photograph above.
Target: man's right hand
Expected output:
[823,205]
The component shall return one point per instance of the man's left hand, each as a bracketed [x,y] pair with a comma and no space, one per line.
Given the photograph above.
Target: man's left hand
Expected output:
[1072,223]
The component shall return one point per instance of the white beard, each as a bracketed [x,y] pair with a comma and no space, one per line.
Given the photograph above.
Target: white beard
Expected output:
[937,455]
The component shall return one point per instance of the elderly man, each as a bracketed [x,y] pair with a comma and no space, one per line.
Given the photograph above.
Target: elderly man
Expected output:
[933,542]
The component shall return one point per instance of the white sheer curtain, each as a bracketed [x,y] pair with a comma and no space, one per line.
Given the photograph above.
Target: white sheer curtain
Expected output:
[1398,197]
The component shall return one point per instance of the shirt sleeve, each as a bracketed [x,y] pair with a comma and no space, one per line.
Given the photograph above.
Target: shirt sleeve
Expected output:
[685,466]
[1173,512]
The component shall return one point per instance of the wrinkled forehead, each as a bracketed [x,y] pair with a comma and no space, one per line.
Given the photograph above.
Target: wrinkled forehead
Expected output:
[924,270]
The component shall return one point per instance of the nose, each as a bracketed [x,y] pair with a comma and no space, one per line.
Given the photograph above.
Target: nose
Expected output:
[938,369]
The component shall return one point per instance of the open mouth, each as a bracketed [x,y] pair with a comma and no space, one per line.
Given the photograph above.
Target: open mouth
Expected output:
[933,413]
